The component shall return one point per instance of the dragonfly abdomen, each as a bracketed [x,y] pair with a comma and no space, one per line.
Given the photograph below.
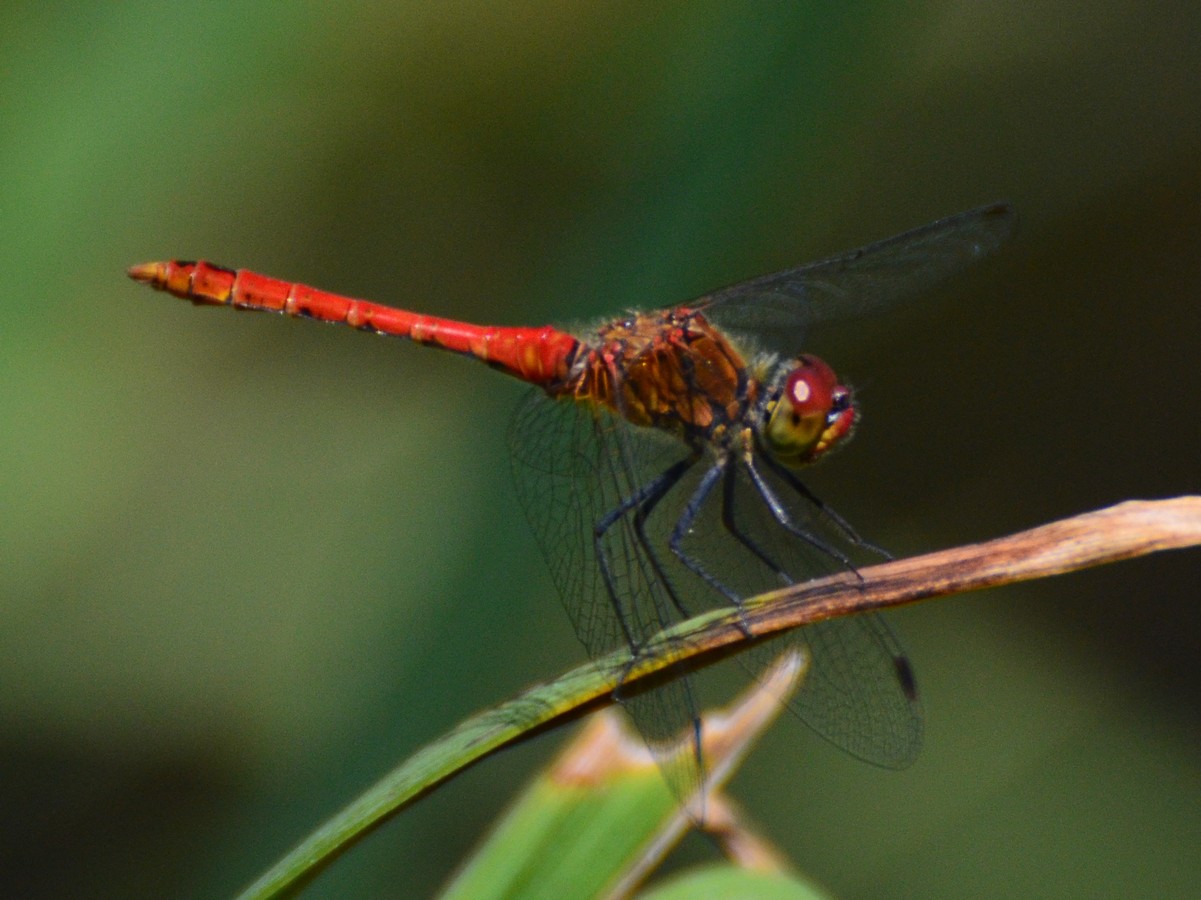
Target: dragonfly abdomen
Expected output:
[541,356]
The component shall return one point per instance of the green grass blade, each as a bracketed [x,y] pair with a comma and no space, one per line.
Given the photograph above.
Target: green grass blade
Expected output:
[575,693]
[732,881]
[601,818]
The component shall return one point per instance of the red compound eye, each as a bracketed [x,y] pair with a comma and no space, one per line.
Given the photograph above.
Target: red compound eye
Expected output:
[810,387]
[814,412]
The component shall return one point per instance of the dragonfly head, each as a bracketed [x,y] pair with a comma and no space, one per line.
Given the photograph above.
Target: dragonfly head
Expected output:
[808,412]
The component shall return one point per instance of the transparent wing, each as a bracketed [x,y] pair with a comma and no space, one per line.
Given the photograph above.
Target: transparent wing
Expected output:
[576,467]
[778,308]
[860,694]
[859,691]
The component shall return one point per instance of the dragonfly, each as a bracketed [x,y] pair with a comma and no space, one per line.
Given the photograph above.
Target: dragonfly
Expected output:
[659,461]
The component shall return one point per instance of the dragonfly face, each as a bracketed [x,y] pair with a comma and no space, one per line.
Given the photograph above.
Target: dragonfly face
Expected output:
[807,412]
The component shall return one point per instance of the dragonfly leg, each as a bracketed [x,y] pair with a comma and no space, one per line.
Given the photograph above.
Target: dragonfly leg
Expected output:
[782,516]
[731,525]
[684,524]
[642,501]
[670,478]
[839,522]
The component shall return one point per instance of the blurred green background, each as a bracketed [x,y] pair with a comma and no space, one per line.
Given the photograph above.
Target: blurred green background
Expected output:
[247,564]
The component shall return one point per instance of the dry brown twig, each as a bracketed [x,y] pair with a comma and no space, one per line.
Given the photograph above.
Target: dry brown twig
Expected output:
[1127,530]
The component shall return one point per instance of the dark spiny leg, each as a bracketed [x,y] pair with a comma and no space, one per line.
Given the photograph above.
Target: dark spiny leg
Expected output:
[653,491]
[643,503]
[781,515]
[728,519]
[839,522]
[684,523]
[672,477]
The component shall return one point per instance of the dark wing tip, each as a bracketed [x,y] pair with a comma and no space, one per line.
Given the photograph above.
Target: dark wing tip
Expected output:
[1003,215]
[905,678]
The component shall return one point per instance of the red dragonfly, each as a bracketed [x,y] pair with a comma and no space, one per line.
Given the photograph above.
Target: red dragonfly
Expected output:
[658,461]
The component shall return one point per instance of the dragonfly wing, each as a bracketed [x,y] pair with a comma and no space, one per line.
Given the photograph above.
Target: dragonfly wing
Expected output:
[574,466]
[859,691]
[778,308]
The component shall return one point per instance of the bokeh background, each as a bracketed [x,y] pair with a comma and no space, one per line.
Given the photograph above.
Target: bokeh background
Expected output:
[247,565]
